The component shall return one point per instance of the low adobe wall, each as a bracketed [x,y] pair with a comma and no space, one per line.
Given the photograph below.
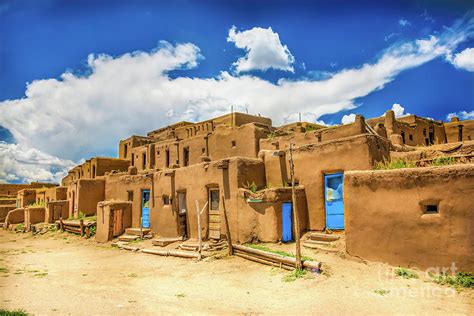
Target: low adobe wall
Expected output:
[34,215]
[4,209]
[390,216]
[15,216]
[56,210]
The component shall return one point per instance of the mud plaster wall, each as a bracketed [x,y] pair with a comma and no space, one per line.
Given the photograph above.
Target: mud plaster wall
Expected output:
[320,135]
[313,161]
[241,141]
[262,221]
[386,206]
[34,215]
[103,165]
[56,210]
[4,209]
[26,197]
[105,218]
[118,188]
[15,216]
[12,189]
[452,131]
[87,193]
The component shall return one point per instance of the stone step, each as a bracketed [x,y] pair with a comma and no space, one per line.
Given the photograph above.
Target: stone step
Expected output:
[137,231]
[163,242]
[324,237]
[318,242]
[127,237]
[319,247]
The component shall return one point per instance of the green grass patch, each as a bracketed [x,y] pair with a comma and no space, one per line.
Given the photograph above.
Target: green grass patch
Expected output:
[381,292]
[278,252]
[3,270]
[405,273]
[294,275]
[180,295]
[394,164]
[443,161]
[132,275]
[40,275]
[460,280]
[16,312]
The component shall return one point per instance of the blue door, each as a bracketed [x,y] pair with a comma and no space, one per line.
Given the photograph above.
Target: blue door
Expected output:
[334,200]
[146,208]
[286,222]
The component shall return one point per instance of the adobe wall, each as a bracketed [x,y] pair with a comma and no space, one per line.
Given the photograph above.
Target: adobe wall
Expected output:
[7,189]
[118,186]
[55,194]
[86,169]
[4,209]
[84,195]
[14,217]
[56,210]
[26,197]
[34,215]
[102,165]
[126,145]
[452,130]
[105,218]
[313,161]
[242,141]
[313,137]
[262,221]
[388,206]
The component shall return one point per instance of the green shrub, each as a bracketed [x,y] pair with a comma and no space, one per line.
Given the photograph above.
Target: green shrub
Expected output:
[310,128]
[17,312]
[443,161]
[271,135]
[253,187]
[394,164]
[293,275]
[461,280]
[406,274]
[381,292]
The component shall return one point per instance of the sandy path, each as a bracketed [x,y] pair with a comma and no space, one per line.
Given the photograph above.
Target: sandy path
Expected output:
[62,274]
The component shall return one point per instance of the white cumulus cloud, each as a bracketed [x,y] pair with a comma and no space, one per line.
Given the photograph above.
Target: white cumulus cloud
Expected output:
[399,110]
[23,164]
[463,115]
[347,119]
[463,60]
[264,50]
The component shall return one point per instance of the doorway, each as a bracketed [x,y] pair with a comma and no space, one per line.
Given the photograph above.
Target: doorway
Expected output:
[146,208]
[334,200]
[214,214]
[182,215]
[117,222]
[286,222]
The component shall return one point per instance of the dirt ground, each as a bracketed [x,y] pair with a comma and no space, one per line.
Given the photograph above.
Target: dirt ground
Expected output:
[59,273]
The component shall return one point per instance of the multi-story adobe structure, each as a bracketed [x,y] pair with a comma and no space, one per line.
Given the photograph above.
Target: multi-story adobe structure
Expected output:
[240,161]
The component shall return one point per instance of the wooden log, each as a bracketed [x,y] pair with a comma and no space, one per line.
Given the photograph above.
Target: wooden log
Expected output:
[81,227]
[314,265]
[71,223]
[171,253]
[229,240]
[277,263]
[72,230]
[255,259]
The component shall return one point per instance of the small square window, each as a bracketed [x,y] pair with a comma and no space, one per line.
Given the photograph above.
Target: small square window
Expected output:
[410,136]
[233,143]
[166,200]
[203,150]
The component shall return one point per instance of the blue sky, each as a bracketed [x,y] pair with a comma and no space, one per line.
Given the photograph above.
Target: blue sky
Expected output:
[87,84]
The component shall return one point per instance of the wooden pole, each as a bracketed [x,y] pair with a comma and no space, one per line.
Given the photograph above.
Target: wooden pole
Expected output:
[229,240]
[81,227]
[199,230]
[296,220]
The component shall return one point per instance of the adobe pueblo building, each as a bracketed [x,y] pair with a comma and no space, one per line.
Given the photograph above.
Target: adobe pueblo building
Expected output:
[419,216]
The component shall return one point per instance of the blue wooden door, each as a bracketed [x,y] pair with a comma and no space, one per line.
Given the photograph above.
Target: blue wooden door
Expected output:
[146,208]
[286,222]
[334,200]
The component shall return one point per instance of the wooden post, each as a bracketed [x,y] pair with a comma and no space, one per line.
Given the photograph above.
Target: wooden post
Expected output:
[141,228]
[229,240]
[81,227]
[296,221]
[61,224]
[199,231]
